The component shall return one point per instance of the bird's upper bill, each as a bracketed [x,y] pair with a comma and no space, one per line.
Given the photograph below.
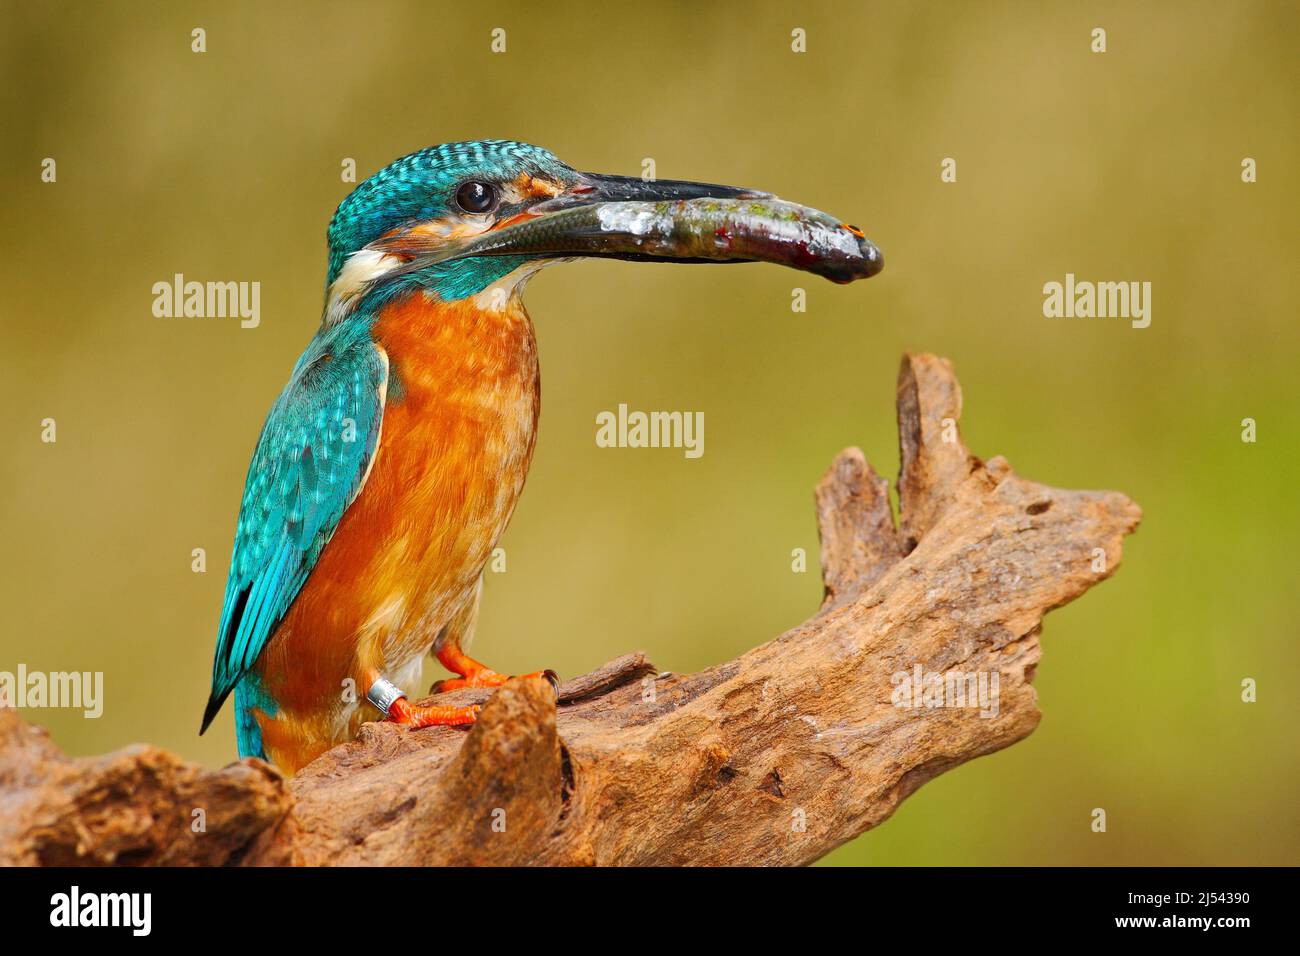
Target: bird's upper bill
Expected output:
[658,220]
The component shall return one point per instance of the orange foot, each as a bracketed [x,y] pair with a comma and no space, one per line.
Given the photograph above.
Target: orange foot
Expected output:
[402,711]
[474,674]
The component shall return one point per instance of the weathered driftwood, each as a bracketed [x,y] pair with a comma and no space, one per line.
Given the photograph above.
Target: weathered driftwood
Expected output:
[776,757]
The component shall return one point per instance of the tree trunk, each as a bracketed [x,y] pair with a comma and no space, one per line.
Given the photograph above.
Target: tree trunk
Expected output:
[776,757]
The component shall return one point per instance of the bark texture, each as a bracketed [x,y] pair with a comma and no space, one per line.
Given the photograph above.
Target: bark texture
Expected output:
[776,757]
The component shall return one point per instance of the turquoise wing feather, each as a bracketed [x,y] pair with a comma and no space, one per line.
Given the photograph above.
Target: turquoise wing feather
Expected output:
[311,461]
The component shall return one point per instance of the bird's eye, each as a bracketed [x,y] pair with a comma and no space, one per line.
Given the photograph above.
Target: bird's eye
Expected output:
[475,196]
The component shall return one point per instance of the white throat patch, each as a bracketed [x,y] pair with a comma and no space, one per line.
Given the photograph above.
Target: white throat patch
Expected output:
[360,268]
[498,296]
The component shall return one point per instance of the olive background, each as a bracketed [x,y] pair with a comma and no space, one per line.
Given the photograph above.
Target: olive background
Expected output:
[1119,166]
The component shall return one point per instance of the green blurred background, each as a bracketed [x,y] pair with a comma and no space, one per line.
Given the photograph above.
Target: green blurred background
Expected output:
[1117,166]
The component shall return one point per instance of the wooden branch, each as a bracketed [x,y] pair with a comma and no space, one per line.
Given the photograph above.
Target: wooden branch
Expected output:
[776,757]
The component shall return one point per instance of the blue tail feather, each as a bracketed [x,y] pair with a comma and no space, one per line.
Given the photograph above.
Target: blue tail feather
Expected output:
[250,696]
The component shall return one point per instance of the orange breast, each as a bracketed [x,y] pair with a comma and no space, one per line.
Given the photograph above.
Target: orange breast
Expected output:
[457,438]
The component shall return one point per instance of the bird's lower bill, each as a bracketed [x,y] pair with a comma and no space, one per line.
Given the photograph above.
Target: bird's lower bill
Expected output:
[614,217]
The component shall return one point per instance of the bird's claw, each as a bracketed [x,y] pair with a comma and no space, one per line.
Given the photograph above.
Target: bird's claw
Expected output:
[416,716]
[486,678]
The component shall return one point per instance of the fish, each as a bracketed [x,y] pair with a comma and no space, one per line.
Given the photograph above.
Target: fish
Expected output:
[760,229]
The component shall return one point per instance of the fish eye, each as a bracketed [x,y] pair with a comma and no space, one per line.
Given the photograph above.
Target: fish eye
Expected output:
[476,196]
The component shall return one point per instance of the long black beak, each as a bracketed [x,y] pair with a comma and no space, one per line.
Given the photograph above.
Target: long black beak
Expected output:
[671,220]
[604,188]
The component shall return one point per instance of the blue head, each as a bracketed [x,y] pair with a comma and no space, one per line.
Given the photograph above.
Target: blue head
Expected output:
[451,191]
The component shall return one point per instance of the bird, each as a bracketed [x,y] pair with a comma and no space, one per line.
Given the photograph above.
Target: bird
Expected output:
[391,462]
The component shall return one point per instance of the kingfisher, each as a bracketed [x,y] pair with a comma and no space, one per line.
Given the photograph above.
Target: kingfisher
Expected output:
[390,464]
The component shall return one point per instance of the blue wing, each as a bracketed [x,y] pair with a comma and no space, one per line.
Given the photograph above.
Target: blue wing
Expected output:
[311,461]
